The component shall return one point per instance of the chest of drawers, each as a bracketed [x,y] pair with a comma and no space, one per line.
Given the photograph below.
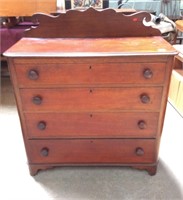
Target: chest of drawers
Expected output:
[91,101]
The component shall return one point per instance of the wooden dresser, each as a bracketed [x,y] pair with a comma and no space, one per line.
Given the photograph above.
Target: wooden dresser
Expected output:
[91,89]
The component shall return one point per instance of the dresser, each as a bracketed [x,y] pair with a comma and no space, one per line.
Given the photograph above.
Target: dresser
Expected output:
[91,94]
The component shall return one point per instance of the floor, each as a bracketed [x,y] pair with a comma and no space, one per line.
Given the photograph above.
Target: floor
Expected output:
[87,183]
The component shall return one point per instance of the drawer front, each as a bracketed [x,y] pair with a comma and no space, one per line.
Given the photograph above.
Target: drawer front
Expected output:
[91,125]
[101,151]
[39,75]
[91,99]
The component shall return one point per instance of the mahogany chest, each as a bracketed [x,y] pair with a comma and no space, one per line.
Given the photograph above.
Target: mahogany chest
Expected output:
[93,100]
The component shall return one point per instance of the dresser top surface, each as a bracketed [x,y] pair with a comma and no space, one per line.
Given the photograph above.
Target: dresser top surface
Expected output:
[90,47]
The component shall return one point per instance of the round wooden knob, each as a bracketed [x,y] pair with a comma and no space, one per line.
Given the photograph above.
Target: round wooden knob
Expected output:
[139,151]
[44,151]
[142,124]
[41,125]
[37,100]
[33,74]
[148,73]
[145,98]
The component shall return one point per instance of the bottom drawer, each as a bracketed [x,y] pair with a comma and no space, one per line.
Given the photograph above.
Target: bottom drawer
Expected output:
[92,151]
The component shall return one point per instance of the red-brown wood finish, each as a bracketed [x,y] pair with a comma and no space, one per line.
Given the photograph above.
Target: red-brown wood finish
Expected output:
[40,75]
[92,23]
[92,151]
[93,96]
[90,47]
[91,99]
[92,124]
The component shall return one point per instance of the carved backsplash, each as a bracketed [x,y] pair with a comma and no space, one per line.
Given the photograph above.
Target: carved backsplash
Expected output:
[92,23]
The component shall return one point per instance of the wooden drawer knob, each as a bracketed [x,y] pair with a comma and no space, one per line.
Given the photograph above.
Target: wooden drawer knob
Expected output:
[148,73]
[33,74]
[139,151]
[44,151]
[41,125]
[144,98]
[37,100]
[142,124]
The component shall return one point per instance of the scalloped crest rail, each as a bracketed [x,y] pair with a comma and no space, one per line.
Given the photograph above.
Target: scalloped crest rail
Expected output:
[92,23]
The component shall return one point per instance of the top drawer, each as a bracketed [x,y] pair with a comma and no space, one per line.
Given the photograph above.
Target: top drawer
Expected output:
[42,75]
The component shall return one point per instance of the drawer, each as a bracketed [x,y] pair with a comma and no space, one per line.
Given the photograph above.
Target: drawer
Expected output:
[92,151]
[91,99]
[41,75]
[92,125]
